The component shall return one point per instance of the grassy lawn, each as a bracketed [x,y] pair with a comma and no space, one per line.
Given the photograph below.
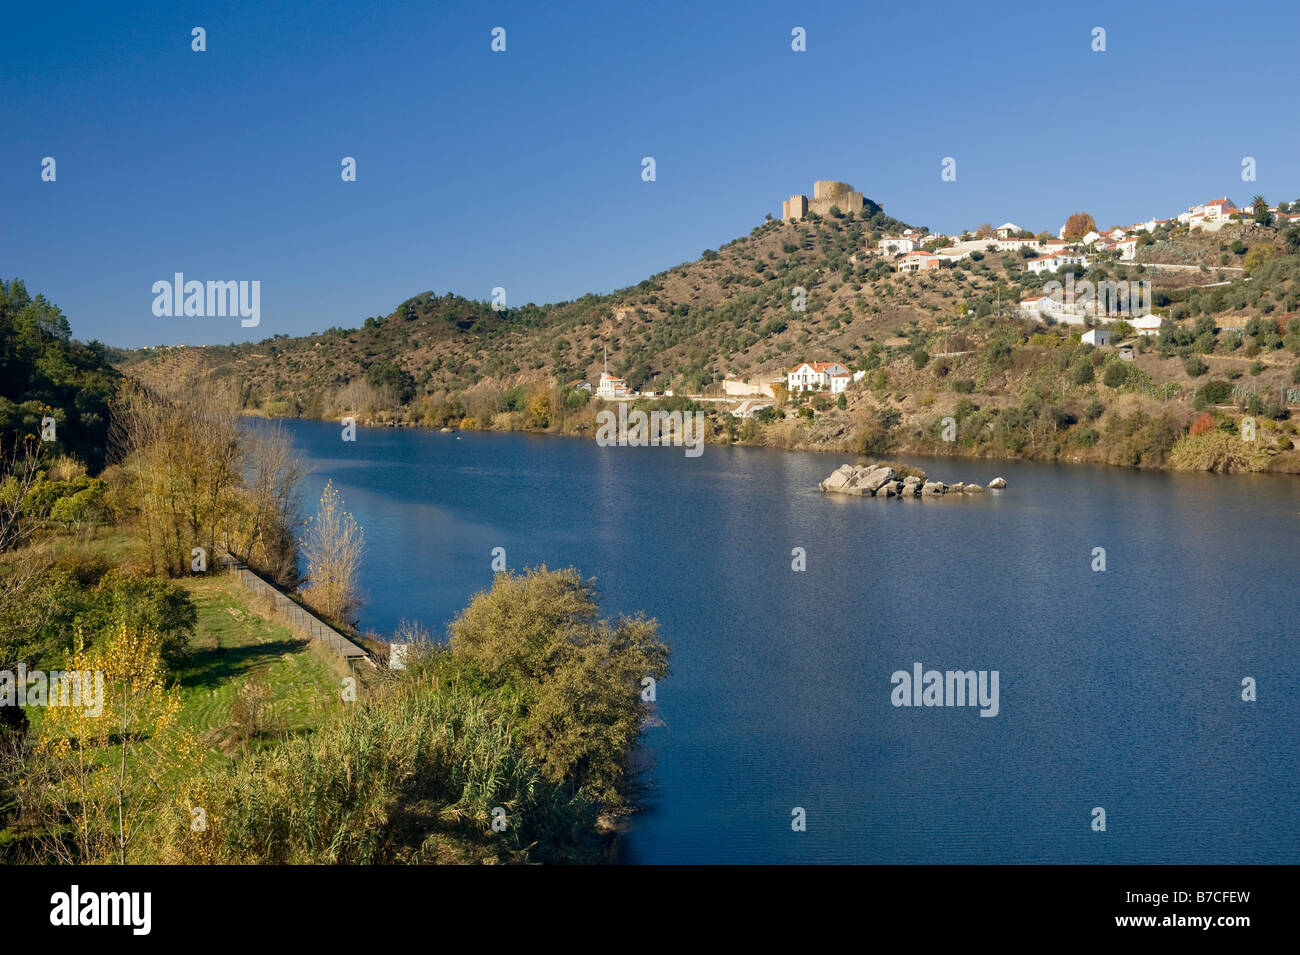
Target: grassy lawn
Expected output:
[234,645]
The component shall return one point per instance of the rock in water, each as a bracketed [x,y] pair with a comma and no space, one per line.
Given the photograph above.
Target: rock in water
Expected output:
[838,479]
[972,489]
[998,483]
[875,479]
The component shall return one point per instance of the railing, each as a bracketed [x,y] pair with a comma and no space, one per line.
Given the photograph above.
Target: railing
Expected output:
[299,618]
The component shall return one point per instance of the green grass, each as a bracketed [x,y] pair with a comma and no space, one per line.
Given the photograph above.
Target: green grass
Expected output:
[233,644]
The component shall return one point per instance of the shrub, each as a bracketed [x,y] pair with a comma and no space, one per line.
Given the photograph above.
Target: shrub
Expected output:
[1214,392]
[1195,366]
[1116,374]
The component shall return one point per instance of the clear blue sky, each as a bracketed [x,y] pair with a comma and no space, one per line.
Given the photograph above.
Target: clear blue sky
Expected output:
[523,169]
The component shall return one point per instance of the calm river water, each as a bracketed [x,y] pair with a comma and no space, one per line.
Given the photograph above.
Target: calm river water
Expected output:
[1119,689]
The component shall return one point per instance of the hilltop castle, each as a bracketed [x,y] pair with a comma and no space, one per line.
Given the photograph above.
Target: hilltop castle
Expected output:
[826,193]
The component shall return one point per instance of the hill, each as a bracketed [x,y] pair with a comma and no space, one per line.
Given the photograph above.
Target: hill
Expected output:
[1016,385]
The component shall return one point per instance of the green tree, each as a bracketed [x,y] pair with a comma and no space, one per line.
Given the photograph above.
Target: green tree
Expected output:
[579,679]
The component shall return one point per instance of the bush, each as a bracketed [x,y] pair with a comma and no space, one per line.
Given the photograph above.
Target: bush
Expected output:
[1214,392]
[1116,374]
[1195,366]
[1218,451]
[965,386]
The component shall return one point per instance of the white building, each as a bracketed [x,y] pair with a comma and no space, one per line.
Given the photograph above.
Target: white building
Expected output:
[1096,336]
[1007,229]
[611,388]
[1146,324]
[893,245]
[814,375]
[1127,248]
[918,262]
[1054,260]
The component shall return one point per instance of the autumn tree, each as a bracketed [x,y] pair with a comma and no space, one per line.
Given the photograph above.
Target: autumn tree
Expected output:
[98,773]
[1077,226]
[264,534]
[333,546]
[579,678]
[178,445]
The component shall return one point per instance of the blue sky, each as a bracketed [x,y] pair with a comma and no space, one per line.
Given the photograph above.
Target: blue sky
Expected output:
[523,169]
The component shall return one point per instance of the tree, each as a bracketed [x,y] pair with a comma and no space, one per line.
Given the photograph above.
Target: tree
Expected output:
[265,536]
[579,678]
[178,443]
[333,547]
[98,772]
[1259,207]
[1077,226]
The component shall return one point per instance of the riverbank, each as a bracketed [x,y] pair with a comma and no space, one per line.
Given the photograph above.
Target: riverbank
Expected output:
[1149,432]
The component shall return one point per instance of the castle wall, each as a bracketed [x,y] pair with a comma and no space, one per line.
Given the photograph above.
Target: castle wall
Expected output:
[826,193]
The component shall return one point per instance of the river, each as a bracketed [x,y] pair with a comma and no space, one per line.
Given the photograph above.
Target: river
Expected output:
[1118,689]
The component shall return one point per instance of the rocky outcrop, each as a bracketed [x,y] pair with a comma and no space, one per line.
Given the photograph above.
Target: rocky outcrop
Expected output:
[878,480]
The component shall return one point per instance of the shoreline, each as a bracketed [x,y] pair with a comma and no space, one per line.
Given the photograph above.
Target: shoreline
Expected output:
[842,448]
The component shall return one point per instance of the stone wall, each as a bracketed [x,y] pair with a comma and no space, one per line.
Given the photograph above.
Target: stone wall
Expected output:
[826,193]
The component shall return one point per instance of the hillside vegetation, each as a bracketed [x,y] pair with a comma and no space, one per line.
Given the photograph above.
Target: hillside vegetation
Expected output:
[946,343]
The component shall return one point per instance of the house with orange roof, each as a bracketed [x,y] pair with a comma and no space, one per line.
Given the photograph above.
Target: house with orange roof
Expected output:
[918,262]
[818,375]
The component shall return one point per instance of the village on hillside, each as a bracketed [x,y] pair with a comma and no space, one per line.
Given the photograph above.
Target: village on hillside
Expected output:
[1076,247]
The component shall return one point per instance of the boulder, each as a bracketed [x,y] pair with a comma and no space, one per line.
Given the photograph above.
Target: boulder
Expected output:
[839,478]
[912,479]
[972,489]
[932,487]
[998,483]
[888,489]
[952,488]
[874,479]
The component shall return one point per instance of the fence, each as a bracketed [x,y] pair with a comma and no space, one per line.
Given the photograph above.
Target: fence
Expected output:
[300,619]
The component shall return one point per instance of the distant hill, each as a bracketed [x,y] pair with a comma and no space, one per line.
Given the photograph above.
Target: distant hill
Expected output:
[444,360]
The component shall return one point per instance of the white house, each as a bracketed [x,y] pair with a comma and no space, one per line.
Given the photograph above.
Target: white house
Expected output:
[1007,229]
[611,387]
[813,375]
[893,245]
[1014,245]
[1054,260]
[1091,237]
[1036,306]
[1097,336]
[1146,324]
[1127,247]
[1217,209]
[918,262]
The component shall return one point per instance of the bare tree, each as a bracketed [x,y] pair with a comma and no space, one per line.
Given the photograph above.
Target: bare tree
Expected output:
[266,538]
[333,546]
